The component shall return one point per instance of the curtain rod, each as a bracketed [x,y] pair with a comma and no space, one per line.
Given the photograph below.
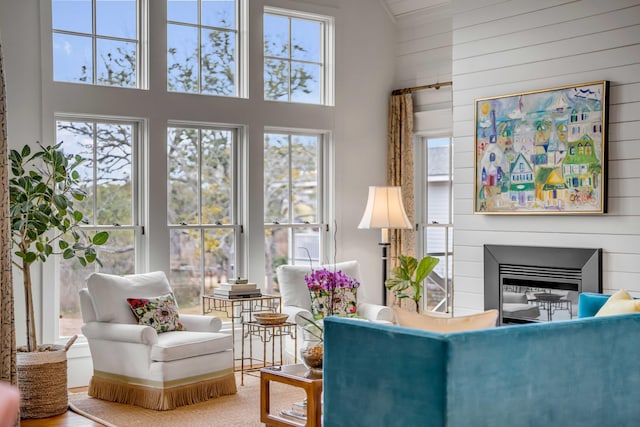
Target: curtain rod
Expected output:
[413,89]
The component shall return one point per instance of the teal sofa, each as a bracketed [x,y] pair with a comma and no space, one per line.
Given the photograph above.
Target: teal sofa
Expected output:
[583,372]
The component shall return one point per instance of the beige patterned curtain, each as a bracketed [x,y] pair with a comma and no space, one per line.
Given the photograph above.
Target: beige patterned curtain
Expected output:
[400,169]
[7,327]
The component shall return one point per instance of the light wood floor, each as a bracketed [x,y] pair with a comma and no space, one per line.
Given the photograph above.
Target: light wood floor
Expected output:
[68,419]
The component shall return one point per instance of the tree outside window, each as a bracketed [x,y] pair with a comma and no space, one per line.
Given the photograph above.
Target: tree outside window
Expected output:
[96,42]
[295,57]
[108,177]
[202,47]
[202,213]
[292,201]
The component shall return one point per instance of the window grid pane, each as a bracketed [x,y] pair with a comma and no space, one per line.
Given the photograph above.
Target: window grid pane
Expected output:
[201,211]
[202,47]
[107,177]
[108,55]
[294,58]
[292,201]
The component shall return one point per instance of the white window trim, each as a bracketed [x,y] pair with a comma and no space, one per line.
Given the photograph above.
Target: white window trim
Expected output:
[327,52]
[326,190]
[239,191]
[51,330]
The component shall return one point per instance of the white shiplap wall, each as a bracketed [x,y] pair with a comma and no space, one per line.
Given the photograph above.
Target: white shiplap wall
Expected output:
[503,47]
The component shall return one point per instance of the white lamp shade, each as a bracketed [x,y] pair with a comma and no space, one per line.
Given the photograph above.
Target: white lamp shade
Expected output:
[384,209]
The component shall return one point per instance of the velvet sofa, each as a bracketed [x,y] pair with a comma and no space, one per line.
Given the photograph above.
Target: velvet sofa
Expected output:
[583,372]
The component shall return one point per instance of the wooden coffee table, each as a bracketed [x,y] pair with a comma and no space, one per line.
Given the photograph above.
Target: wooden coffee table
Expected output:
[293,375]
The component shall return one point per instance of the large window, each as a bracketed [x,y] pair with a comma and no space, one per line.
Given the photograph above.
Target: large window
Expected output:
[435,187]
[203,46]
[297,52]
[109,179]
[202,210]
[96,42]
[293,194]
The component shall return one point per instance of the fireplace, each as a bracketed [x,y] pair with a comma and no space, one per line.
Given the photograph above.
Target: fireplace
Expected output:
[539,284]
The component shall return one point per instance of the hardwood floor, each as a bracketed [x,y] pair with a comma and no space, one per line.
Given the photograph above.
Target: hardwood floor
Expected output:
[68,419]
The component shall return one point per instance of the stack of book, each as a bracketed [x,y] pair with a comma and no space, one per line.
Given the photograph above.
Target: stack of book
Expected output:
[298,411]
[237,288]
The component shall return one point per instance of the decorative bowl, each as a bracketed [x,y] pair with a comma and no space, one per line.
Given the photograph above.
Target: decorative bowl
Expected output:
[270,318]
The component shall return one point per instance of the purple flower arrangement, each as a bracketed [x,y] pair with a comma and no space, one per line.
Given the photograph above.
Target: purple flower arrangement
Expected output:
[326,280]
[332,293]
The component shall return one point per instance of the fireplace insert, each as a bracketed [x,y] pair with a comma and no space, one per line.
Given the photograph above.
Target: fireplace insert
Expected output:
[539,284]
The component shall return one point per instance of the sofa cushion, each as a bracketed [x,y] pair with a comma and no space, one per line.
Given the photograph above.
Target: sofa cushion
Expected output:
[161,313]
[441,324]
[109,293]
[177,345]
[619,303]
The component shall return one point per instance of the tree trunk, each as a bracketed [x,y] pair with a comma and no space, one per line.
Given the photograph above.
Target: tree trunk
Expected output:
[32,344]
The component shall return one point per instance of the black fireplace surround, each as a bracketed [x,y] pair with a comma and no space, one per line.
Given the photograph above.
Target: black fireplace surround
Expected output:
[534,283]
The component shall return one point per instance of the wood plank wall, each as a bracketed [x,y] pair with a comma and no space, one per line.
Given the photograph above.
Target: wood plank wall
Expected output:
[497,47]
[503,47]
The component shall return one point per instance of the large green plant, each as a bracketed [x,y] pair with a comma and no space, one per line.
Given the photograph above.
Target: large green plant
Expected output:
[42,190]
[409,275]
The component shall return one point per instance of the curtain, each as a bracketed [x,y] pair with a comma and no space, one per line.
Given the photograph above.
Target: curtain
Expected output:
[7,327]
[400,170]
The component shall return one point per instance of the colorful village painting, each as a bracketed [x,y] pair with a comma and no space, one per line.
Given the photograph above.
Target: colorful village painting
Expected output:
[542,152]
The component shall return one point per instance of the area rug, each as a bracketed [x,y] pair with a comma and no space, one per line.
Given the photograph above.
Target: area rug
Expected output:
[238,410]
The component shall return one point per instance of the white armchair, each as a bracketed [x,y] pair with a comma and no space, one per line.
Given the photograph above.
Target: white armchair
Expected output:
[134,364]
[296,299]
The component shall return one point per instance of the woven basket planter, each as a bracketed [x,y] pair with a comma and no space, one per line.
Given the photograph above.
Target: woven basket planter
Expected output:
[42,380]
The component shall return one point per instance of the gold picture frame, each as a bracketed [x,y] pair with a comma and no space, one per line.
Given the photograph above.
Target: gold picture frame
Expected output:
[542,152]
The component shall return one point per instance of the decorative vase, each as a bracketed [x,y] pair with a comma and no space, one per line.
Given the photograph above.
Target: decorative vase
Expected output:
[311,354]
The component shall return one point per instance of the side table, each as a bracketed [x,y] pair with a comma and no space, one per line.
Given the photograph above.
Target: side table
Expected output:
[293,375]
[268,334]
[241,309]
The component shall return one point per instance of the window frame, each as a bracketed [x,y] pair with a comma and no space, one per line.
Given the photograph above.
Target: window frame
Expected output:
[325,223]
[141,42]
[421,177]
[241,52]
[239,191]
[327,53]
[51,330]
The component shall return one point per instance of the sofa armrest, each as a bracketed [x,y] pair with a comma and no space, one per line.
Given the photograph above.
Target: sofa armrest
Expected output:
[123,332]
[197,323]
[294,312]
[375,312]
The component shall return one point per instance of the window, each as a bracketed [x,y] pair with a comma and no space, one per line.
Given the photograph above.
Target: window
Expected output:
[96,42]
[203,46]
[293,211]
[436,213]
[110,180]
[297,52]
[202,210]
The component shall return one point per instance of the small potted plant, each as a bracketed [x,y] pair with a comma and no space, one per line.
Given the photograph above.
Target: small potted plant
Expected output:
[408,277]
[43,188]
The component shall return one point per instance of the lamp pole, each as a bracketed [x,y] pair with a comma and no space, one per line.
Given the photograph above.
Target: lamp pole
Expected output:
[385,266]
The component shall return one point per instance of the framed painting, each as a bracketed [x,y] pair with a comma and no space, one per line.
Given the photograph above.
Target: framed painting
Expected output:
[542,152]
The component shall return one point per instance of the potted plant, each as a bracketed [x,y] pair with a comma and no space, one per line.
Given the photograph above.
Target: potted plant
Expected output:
[43,188]
[409,275]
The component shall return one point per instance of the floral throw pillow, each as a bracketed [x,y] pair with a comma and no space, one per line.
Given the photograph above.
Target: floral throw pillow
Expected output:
[160,313]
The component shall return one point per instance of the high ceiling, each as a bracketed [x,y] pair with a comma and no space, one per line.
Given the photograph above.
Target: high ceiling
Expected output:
[399,8]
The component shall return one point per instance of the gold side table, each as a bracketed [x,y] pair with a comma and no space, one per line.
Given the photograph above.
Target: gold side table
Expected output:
[269,335]
[241,309]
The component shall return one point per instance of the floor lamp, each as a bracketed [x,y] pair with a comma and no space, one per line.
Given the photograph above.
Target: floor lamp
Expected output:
[384,210]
